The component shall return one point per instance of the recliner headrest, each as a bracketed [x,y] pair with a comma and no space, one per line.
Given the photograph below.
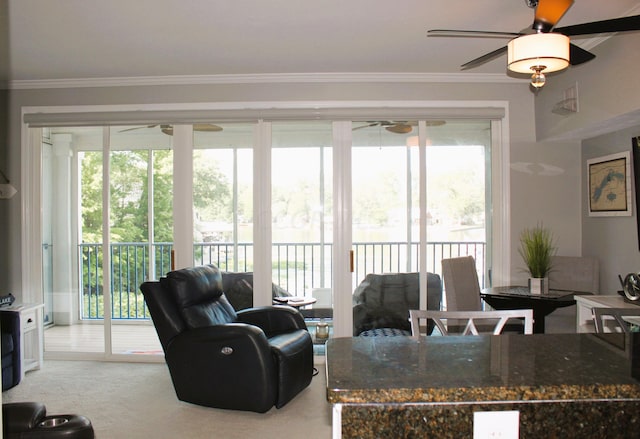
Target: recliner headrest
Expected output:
[195,285]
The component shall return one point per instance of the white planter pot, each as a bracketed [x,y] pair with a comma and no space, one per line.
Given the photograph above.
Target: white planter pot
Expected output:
[539,285]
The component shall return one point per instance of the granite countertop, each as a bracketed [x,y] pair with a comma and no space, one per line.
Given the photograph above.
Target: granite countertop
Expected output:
[540,367]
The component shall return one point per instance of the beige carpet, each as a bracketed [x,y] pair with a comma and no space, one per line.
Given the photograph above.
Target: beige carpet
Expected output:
[136,400]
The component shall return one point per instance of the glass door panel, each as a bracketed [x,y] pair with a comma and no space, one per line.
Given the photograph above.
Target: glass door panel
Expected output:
[141,230]
[302,216]
[223,205]
[459,193]
[384,236]
[47,228]
[386,210]
[75,161]
[384,245]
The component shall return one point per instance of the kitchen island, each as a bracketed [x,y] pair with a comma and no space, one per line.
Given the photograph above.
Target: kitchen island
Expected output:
[558,385]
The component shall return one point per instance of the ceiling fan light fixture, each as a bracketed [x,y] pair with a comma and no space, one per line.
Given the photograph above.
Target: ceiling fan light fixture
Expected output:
[538,52]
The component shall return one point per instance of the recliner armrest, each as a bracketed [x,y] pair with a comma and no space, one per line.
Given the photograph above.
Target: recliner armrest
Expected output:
[219,334]
[273,320]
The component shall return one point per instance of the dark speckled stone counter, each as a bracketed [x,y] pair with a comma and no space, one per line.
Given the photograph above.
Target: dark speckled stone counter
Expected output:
[565,385]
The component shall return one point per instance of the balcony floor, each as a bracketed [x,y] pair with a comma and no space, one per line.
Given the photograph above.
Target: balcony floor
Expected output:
[136,338]
[89,337]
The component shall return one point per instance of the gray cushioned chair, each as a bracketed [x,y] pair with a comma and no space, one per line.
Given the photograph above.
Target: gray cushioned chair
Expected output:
[381,302]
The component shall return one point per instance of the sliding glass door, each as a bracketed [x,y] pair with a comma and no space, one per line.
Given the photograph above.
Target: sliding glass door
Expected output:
[386,189]
[126,175]
[109,214]
[72,237]
[302,216]
[140,177]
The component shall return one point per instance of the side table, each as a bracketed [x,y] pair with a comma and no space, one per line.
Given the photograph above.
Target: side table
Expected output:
[31,334]
[294,301]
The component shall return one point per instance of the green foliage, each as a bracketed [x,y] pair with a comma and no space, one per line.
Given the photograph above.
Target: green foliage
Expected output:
[458,195]
[536,248]
[130,306]
[211,191]
[162,196]
[129,195]
[91,196]
[378,196]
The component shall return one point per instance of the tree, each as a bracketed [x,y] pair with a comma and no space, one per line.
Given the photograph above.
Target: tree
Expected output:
[91,196]
[130,193]
[211,191]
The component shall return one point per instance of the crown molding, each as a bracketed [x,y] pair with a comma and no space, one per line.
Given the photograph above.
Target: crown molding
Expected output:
[267,78]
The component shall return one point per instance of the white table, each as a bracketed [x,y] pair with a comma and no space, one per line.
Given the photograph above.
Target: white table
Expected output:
[584,318]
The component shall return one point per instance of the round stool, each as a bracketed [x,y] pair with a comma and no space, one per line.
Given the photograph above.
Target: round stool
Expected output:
[63,426]
[29,420]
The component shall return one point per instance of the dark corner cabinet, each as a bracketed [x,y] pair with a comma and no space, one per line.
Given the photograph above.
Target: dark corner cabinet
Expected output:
[22,341]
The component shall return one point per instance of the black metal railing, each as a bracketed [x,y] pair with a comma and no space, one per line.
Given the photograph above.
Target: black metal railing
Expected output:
[296,267]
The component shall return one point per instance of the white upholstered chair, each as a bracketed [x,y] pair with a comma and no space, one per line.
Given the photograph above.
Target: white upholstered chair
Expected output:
[572,273]
[462,289]
[575,273]
[469,322]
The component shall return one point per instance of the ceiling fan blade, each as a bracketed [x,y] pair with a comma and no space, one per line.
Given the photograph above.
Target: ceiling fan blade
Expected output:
[484,58]
[623,24]
[208,127]
[470,33]
[369,124]
[577,55]
[549,12]
[400,128]
[136,128]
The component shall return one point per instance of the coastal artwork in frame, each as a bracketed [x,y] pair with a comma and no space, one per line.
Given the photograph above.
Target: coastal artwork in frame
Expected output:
[609,180]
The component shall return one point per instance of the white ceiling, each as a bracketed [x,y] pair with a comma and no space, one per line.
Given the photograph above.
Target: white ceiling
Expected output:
[64,39]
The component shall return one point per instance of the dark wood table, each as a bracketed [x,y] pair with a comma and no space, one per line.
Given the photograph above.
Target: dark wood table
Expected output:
[294,301]
[517,297]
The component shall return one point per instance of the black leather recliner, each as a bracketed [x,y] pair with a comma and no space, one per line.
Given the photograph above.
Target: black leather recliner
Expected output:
[247,360]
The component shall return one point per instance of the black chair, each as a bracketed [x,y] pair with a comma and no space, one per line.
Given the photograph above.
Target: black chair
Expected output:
[250,360]
[10,329]
[238,288]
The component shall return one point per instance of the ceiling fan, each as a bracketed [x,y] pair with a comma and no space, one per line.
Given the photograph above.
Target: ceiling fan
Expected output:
[398,127]
[526,50]
[168,129]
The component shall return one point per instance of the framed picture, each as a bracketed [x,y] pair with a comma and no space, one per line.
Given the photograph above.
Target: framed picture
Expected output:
[609,185]
[635,156]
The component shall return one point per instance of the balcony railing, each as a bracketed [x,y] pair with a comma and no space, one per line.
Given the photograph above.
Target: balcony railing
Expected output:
[296,267]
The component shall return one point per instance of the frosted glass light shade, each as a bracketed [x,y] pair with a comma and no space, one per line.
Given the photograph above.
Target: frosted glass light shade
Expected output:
[551,50]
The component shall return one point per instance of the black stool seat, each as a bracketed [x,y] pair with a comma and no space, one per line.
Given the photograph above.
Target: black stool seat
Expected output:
[29,420]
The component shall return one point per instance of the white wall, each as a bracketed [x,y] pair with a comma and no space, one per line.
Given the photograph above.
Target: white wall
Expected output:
[614,240]
[609,115]
[608,93]
[529,203]
[545,189]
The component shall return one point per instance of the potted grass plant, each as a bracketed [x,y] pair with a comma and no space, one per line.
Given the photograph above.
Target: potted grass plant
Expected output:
[537,248]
